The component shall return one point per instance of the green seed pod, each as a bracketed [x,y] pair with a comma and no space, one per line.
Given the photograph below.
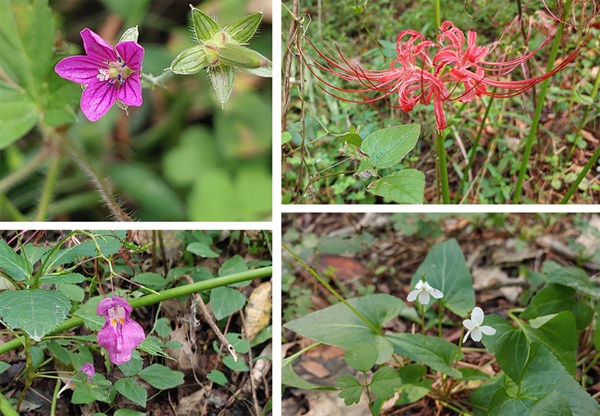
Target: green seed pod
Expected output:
[190,61]
[204,26]
[243,30]
[240,56]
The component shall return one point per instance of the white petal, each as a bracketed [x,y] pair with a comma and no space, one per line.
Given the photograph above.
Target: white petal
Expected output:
[476,334]
[420,285]
[470,325]
[412,295]
[426,286]
[424,298]
[488,330]
[477,315]
[436,293]
[466,336]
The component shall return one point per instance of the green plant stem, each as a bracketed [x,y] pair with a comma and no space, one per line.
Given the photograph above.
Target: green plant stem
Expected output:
[440,309]
[585,113]
[164,295]
[158,80]
[54,397]
[5,408]
[473,151]
[438,14]
[27,169]
[439,138]
[48,190]
[581,175]
[30,371]
[422,311]
[331,290]
[541,98]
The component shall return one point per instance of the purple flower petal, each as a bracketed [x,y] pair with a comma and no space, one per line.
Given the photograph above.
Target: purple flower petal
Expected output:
[107,303]
[80,69]
[89,370]
[131,91]
[97,99]
[96,47]
[132,53]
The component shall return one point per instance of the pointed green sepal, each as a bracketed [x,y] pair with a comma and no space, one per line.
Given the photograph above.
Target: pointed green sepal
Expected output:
[243,30]
[204,26]
[130,34]
[190,61]
[240,56]
[222,78]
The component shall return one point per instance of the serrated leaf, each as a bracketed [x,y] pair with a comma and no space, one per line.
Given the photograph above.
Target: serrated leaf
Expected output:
[14,265]
[153,348]
[205,26]
[161,377]
[445,269]
[387,147]
[36,311]
[243,30]
[351,389]
[436,353]
[75,293]
[18,114]
[202,250]
[130,388]
[224,301]
[57,279]
[385,382]
[403,187]
[338,325]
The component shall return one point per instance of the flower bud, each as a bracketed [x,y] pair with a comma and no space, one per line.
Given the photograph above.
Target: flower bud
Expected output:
[190,61]
[240,56]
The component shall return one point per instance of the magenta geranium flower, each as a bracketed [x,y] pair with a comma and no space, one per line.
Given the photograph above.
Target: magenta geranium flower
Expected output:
[108,74]
[89,370]
[120,334]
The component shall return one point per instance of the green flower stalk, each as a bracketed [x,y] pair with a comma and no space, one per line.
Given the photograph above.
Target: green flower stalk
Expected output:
[220,51]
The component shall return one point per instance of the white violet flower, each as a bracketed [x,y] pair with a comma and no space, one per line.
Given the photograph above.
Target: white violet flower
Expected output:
[423,290]
[475,329]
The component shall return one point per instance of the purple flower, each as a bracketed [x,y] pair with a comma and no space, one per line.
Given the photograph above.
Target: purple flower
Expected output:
[89,370]
[108,74]
[120,334]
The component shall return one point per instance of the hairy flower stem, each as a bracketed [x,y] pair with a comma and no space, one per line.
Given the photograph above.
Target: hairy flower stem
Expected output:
[27,169]
[540,105]
[581,175]
[156,81]
[332,290]
[443,177]
[164,295]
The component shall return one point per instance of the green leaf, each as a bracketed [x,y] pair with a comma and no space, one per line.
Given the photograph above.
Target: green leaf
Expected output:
[62,96]
[243,30]
[87,312]
[151,346]
[224,301]
[542,375]
[554,298]
[128,412]
[387,147]
[131,34]
[575,278]
[338,325]
[151,280]
[445,269]
[436,353]
[596,337]
[553,404]
[222,78]
[99,389]
[75,293]
[472,374]
[190,61]
[218,377]
[509,346]
[59,352]
[4,366]
[236,264]
[26,43]
[351,389]
[18,114]
[161,377]
[290,378]
[163,327]
[58,279]
[403,187]
[204,26]
[385,382]
[413,387]
[36,311]
[14,265]
[202,250]
[130,388]
[133,366]
[361,357]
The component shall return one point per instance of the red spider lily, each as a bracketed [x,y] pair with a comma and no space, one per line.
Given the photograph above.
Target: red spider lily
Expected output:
[418,78]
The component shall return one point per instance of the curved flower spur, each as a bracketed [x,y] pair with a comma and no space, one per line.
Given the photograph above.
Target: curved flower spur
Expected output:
[108,74]
[451,72]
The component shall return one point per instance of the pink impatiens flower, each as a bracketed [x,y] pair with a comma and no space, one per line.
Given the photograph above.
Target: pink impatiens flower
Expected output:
[108,74]
[89,370]
[120,334]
